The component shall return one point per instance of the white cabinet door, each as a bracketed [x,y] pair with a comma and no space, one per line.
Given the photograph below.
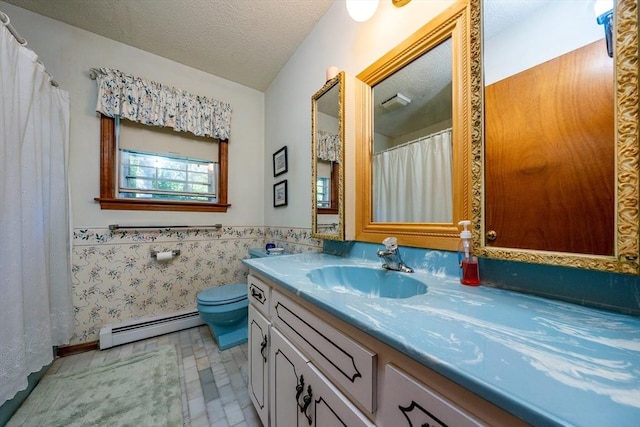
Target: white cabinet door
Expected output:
[302,396]
[289,386]
[407,402]
[259,363]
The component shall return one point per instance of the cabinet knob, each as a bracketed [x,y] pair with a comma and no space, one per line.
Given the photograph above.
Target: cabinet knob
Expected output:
[491,235]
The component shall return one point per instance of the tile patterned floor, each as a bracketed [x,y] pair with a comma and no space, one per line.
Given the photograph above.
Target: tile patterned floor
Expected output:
[214,382]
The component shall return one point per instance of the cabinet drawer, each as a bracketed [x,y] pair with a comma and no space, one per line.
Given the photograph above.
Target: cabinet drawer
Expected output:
[407,402]
[259,294]
[341,359]
[330,407]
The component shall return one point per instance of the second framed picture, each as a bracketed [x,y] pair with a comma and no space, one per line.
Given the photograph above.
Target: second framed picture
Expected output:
[280,165]
[280,194]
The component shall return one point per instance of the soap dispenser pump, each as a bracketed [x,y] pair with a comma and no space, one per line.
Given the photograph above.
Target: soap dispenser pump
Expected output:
[469,272]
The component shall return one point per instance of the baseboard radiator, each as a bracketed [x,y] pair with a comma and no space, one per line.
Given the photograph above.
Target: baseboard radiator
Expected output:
[147,327]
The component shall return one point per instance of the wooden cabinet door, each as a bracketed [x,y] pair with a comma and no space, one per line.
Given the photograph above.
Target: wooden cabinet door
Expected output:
[289,384]
[550,155]
[259,363]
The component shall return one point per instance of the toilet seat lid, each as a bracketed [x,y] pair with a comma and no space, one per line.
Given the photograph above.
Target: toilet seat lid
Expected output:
[225,294]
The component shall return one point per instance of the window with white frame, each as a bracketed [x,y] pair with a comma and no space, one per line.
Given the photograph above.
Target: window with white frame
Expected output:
[159,163]
[149,175]
[323,192]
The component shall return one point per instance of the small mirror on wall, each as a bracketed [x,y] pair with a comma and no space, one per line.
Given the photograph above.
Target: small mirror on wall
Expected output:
[327,160]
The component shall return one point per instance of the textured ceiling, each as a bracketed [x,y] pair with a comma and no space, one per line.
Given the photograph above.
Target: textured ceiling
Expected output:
[245,41]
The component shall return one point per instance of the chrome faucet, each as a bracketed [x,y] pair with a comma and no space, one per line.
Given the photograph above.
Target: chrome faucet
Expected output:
[391,256]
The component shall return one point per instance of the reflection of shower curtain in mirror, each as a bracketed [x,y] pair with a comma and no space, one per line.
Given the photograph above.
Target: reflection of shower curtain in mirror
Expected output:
[413,182]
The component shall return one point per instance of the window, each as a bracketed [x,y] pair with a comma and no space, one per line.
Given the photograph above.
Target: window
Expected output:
[323,193]
[140,180]
[150,175]
[327,188]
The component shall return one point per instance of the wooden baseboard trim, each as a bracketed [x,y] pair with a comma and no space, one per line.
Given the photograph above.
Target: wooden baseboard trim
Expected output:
[77,348]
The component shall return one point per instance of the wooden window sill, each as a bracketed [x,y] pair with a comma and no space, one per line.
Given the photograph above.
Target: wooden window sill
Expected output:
[327,211]
[159,205]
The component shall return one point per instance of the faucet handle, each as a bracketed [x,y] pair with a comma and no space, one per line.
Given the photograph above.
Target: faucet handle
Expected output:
[391,243]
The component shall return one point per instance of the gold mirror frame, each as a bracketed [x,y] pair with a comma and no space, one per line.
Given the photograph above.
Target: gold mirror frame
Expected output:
[625,259]
[452,23]
[338,80]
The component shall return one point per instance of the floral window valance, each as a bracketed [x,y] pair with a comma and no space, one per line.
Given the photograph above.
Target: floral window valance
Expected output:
[156,104]
[328,146]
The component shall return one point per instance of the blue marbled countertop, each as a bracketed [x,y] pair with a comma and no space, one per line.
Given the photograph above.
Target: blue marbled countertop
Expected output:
[547,362]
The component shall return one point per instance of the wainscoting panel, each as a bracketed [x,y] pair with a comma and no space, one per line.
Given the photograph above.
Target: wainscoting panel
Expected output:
[115,279]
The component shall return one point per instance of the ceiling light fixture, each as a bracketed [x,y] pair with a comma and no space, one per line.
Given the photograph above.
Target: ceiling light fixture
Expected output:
[362,10]
[396,101]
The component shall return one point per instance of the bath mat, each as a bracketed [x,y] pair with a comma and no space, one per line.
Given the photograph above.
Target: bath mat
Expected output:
[140,390]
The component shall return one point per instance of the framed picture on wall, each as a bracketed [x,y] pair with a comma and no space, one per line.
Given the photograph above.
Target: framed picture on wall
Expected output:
[280,194]
[280,165]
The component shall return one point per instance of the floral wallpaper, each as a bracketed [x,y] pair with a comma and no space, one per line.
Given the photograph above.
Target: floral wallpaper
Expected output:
[293,240]
[115,278]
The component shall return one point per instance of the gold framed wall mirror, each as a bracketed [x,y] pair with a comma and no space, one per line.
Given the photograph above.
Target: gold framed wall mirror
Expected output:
[555,181]
[327,159]
[412,174]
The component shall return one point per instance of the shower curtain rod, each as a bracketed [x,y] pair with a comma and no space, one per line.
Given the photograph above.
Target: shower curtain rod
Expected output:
[395,147]
[4,18]
[7,23]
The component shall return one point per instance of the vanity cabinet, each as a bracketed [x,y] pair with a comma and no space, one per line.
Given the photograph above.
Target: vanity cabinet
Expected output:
[284,386]
[308,368]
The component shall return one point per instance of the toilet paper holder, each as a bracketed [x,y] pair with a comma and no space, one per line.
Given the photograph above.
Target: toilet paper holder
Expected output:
[175,252]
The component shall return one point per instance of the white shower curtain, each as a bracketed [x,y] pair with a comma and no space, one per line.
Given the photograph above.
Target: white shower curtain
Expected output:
[36,311]
[413,183]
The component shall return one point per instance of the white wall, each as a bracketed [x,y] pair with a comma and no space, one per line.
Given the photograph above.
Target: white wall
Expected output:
[547,33]
[335,40]
[69,52]
[261,123]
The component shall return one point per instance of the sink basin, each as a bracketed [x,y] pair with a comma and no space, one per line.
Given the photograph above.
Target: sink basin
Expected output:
[367,281]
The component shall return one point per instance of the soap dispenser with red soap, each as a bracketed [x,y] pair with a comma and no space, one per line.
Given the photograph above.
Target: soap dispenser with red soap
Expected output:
[469,271]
